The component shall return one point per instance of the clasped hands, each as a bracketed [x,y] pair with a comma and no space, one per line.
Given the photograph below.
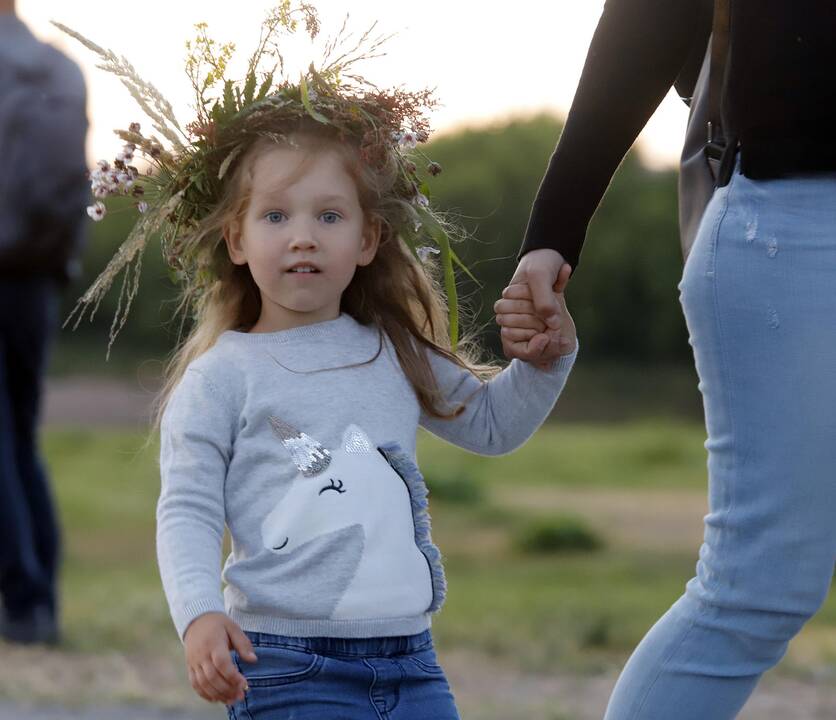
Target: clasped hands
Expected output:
[535,324]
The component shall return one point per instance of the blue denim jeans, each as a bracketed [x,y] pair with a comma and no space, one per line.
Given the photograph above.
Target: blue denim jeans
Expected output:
[29,531]
[388,678]
[759,296]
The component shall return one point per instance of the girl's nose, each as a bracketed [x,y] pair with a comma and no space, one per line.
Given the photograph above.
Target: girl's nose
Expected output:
[302,237]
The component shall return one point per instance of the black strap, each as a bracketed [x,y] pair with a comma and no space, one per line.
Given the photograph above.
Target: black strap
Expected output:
[717,73]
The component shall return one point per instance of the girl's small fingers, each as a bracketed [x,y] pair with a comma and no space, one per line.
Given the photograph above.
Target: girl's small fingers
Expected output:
[222,661]
[523,350]
[210,686]
[517,334]
[222,687]
[515,320]
[201,686]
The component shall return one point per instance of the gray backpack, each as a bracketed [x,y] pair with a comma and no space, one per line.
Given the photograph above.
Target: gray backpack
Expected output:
[705,163]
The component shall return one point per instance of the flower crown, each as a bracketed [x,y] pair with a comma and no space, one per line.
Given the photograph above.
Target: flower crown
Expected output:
[185,180]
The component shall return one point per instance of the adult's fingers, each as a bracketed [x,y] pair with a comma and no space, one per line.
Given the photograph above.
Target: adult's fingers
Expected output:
[563,278]
[523,307]
[541,283]
[517,291]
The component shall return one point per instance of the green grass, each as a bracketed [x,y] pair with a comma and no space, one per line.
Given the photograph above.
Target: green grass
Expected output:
[577,610]
[642,454]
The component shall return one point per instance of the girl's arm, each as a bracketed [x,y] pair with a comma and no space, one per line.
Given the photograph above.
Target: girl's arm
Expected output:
[502,413]
[195,448]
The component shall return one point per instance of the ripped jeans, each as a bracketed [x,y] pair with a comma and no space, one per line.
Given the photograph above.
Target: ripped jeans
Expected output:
[759,296]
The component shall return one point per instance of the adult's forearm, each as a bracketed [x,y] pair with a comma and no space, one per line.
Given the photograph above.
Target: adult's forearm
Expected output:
[636,53]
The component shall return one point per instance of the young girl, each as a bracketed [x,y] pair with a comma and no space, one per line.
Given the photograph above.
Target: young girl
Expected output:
[290,414]
[317,354]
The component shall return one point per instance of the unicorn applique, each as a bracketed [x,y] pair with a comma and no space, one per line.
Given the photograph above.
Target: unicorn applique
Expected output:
[378,490]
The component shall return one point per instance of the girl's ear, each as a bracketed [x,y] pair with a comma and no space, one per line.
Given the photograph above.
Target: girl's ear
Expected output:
[234,246]
[371,240]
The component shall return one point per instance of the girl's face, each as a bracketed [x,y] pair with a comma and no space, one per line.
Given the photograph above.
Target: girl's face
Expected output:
[303,236]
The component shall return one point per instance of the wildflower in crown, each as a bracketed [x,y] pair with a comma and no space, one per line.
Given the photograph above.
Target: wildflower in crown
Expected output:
[198,171]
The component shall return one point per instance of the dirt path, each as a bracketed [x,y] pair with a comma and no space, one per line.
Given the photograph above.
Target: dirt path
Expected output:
[98,402]
[41,684]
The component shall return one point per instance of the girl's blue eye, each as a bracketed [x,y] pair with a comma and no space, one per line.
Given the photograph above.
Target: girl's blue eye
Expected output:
[274,217]
[330,217]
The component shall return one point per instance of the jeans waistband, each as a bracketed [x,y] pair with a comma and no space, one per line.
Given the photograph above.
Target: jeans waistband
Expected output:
[348,647]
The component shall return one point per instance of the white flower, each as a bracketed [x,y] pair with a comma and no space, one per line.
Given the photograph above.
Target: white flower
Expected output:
[408,139]
[104,165]
[424,252]
[127,153]
[97,211]
[142,207]
[100,191]
[421,199]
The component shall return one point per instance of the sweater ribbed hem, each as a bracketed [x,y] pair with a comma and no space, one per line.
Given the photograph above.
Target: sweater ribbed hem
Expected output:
[296,627]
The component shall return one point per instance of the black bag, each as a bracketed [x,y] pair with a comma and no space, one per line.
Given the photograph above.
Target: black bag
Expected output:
[705,164]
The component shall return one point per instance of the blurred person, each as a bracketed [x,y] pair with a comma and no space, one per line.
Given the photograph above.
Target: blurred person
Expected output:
[43,193]
[758,295]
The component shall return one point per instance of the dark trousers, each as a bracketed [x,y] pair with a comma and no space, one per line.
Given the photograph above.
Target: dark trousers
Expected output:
[29,534]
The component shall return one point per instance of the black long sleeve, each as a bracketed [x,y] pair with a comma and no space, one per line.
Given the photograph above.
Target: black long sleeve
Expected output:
[636,54]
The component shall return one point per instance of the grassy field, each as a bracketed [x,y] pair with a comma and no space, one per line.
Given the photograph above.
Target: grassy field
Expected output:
[637,489]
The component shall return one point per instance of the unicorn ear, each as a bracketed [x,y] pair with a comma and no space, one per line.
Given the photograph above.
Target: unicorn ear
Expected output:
[356,441]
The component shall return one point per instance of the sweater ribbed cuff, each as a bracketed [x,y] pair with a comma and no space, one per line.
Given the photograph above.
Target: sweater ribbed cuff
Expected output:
[189,612]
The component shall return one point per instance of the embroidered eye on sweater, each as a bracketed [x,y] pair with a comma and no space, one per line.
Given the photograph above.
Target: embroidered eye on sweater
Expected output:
[338,486]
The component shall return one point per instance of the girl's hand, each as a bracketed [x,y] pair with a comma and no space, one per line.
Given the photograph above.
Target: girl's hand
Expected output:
[212,673]
[524,333]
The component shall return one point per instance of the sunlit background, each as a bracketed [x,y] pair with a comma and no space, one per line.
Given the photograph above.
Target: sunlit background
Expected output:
[486,60]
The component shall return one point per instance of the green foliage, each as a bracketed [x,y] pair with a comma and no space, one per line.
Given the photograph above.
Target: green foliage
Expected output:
[558,534]
[455,488]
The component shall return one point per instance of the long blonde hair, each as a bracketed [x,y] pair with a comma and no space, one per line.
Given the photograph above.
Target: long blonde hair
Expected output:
[394,292]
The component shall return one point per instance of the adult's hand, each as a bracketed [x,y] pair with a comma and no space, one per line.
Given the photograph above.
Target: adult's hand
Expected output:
[532,312]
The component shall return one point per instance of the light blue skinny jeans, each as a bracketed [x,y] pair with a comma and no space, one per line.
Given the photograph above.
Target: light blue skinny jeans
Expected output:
[759,295]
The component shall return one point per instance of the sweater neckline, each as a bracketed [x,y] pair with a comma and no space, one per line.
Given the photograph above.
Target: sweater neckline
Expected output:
[335,328]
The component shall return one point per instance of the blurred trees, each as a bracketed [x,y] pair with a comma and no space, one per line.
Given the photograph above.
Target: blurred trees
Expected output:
[623,296]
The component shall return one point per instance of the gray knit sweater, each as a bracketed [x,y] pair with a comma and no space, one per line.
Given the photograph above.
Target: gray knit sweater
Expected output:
[306,452]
